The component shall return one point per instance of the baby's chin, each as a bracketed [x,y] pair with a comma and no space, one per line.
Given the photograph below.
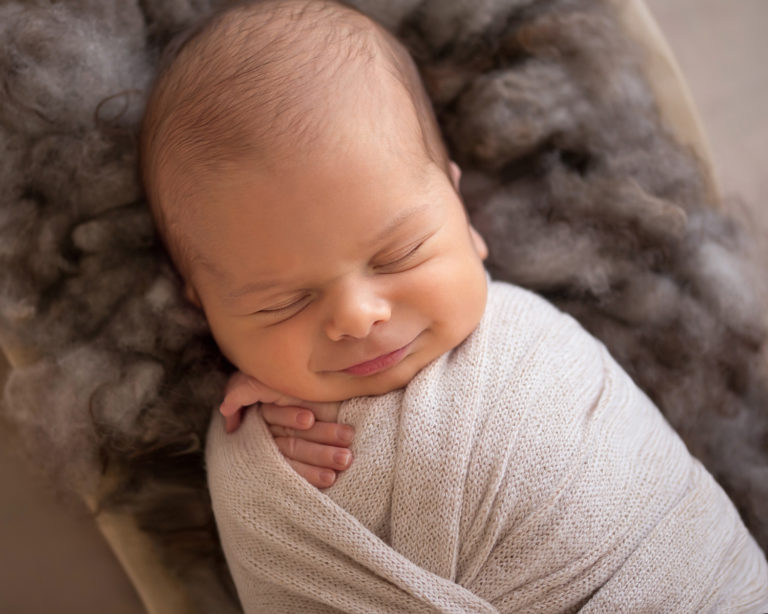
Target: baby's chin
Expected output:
[339,391]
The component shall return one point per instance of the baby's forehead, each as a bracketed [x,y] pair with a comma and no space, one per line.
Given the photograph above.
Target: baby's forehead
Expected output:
[308,225]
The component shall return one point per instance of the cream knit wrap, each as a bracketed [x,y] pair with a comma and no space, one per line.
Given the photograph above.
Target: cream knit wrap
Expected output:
[521,472]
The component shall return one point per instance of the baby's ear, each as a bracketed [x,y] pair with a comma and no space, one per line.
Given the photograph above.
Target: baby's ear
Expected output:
[455,175]
[191,294]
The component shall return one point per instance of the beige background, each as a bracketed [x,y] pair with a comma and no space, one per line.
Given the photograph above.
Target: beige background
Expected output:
[52,561]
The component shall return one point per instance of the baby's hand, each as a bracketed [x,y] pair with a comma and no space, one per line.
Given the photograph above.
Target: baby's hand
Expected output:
[305,432]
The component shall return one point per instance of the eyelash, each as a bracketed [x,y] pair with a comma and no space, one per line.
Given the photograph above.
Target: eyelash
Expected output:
[275,311]
[401,260]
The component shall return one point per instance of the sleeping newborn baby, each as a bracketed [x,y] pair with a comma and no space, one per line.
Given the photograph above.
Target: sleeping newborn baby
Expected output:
[503,461]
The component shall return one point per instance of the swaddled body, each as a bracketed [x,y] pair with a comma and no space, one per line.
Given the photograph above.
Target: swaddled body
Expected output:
[521,471]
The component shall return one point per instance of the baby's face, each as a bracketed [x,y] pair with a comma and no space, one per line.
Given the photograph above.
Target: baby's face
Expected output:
[340,278]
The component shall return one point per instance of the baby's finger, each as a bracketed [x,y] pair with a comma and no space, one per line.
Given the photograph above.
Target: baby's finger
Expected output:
[329,433]
[316,454]
[324,412]
[317,476]
[289,417]
[232,421]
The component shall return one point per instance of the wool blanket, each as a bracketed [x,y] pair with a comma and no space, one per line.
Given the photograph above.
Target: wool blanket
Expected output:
[521,472]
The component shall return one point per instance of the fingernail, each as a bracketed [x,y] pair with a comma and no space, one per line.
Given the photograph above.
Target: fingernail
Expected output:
[346,434]
[327,477]
[304,419]
[342,458]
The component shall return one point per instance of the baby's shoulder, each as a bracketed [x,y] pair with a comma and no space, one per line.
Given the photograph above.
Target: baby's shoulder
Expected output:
[525,341]
[524,321]
[508,299]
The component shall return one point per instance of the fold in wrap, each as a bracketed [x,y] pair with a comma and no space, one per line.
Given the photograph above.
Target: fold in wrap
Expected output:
[521,472]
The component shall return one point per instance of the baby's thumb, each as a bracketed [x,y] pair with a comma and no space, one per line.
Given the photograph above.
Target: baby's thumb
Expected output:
[232,423]
[231,405]
[239,393]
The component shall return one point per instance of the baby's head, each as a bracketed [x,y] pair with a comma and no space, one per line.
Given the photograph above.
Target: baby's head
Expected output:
[300,183]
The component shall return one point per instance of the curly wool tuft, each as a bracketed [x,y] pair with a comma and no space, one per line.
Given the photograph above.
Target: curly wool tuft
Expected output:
[570,176]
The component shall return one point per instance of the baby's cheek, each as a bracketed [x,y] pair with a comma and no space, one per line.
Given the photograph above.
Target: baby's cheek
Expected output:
[276,358]
[463,305]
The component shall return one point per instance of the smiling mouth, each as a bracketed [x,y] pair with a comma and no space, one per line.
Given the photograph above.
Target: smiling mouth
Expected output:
[385,361]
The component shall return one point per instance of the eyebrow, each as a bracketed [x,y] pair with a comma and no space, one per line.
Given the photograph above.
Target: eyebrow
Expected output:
[391,227]
[251,287]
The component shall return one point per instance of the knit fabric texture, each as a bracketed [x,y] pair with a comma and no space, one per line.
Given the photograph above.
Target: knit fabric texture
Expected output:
[521,472]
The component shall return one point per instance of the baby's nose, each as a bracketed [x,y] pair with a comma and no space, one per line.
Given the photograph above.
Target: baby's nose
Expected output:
[355,308]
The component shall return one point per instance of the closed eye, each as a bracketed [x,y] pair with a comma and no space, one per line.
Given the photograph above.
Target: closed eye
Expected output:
[399,262]
[286,309]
